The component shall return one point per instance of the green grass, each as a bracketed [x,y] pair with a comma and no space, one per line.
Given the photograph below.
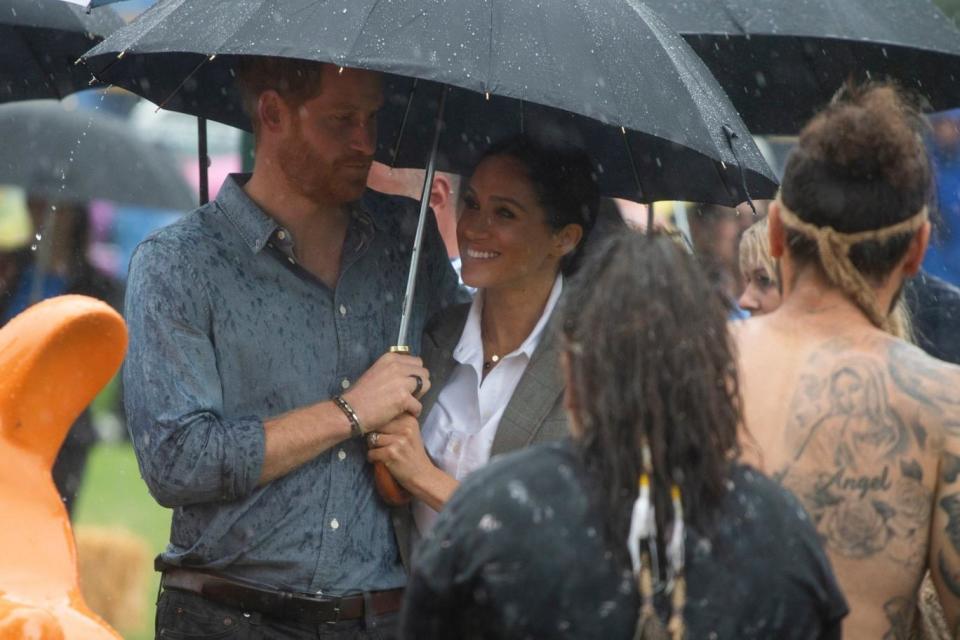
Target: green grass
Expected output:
[114,495]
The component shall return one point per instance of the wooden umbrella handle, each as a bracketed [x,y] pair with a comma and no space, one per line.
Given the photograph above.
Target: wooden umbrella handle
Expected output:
[389,489]
[387,486]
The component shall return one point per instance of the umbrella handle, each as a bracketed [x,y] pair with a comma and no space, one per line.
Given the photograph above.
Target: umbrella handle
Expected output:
[389,489]
[387,486]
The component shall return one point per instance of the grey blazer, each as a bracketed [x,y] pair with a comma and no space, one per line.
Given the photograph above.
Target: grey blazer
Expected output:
[534,413]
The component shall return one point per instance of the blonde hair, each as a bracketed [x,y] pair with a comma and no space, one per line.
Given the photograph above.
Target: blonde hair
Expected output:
[755,251]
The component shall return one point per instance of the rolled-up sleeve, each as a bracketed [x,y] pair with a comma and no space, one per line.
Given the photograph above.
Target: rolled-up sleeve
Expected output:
[188,451]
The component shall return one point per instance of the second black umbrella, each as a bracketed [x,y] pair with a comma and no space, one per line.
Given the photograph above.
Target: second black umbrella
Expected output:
[39,42]
[782,60]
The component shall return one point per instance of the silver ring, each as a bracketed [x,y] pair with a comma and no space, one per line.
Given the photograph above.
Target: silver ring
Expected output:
[419,387]
[372,438]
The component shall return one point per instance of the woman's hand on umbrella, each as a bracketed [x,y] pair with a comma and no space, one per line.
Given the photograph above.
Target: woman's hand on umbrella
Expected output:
[399,446]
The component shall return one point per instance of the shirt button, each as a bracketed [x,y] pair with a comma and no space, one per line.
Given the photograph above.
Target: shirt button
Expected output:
[282,234]
[334,524]
[342,454]
[343,310]
[345,384]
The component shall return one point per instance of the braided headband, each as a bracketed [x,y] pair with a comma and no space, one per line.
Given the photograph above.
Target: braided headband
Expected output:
[834,248]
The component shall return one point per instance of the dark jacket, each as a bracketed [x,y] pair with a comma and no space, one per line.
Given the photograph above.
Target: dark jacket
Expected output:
[519,552]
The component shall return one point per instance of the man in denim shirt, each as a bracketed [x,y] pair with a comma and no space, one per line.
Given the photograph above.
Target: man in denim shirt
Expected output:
[247,318]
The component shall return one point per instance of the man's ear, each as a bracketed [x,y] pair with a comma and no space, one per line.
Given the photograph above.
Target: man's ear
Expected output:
[917,250]
[440,192]
[776,233]
[271,111]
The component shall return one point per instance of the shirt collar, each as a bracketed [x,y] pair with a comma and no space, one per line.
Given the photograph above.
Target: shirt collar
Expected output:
[469,349]
[254,226]
[258,229]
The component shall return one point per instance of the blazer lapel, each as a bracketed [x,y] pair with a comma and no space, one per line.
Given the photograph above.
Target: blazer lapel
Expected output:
[536,394]
[439,342]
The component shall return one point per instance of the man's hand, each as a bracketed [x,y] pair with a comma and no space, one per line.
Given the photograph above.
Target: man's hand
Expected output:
[386,390]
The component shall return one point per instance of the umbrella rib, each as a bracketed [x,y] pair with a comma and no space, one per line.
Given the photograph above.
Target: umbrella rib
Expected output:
[403,125]
[184,81]
[731,135]
[733,18]
[39,61]
[602,50]
[356,38]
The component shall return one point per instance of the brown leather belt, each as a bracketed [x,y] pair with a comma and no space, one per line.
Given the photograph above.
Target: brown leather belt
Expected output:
[285,605]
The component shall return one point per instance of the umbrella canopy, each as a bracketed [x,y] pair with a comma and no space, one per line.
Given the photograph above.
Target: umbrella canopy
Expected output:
[77,156]
[601,71]
[39,42]
[781,60]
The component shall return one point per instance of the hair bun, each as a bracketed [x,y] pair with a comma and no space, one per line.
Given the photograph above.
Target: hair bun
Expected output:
[869,133]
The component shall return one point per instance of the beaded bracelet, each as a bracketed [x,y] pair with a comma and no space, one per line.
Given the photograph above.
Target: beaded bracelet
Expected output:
[348,411]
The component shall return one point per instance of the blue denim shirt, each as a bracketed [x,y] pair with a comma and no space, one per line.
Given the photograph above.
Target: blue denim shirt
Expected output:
[227,330]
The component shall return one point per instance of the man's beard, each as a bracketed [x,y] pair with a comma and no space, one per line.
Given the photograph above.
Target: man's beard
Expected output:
[315,179]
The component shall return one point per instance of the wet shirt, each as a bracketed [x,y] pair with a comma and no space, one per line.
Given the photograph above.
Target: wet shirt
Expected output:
[227,330]
[519,553]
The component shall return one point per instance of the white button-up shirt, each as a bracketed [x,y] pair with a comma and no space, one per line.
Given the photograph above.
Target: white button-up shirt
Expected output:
[459,430]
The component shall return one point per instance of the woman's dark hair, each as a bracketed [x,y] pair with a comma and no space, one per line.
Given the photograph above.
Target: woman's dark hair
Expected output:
[650,357]
[564,179]
[860,165]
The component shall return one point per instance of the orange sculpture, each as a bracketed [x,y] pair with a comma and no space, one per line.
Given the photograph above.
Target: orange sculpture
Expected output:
[54,358]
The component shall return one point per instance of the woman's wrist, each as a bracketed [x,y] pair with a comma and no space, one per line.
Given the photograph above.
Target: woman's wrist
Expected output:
[433,487]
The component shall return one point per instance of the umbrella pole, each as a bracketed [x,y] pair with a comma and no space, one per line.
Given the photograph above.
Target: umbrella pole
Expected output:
[203,161]
[389,489]
[402,346]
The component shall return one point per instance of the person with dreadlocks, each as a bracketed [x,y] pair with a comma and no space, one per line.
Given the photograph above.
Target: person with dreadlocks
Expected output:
[858,423]
[643,524]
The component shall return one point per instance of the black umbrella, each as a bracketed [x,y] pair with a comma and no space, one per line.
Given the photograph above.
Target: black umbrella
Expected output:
[613,77]
[655,117]
[77,155]
[781,60]
[39,42]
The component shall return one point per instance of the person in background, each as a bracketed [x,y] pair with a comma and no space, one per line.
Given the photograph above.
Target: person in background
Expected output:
[758,271]
[714,232]
[858,423]
[645,519]
[63,229]
[943,258]
[526,212]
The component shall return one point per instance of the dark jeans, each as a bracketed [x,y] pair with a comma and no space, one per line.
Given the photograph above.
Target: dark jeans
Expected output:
[182,615]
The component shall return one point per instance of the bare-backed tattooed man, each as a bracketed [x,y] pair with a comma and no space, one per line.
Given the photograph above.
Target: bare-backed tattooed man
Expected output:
[863,427]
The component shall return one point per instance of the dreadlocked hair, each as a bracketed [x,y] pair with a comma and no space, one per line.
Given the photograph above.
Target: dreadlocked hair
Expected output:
[649,357]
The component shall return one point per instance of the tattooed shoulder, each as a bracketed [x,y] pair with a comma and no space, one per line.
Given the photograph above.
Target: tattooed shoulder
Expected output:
[932,384]
[856,463]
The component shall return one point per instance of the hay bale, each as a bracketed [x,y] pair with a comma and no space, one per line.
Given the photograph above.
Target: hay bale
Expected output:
[114,566]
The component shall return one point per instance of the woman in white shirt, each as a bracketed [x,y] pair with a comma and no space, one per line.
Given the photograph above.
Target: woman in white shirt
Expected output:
[524,214]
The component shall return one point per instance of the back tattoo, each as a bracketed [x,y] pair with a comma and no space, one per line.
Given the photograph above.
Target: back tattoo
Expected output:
[857,453]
